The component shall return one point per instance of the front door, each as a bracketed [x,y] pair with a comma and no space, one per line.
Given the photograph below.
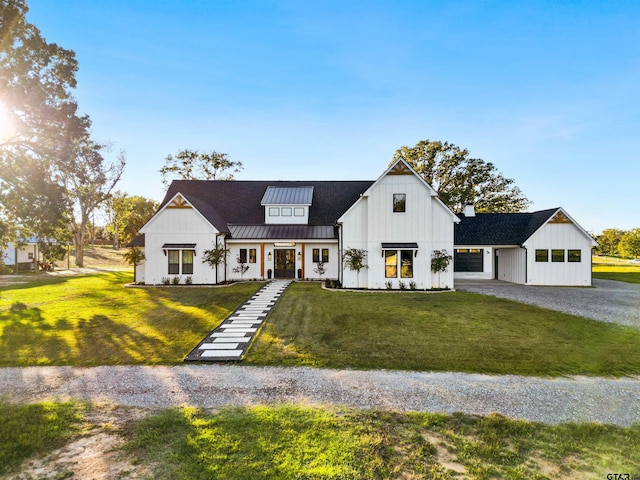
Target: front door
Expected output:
[285,266]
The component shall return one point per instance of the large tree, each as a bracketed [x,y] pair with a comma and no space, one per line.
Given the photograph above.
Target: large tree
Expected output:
[38,119]
[460,179]
[629,245]
[193,165]
[608,241]
[126,215]
[89,180]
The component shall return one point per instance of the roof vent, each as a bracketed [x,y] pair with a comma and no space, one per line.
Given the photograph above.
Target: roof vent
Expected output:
[469,210]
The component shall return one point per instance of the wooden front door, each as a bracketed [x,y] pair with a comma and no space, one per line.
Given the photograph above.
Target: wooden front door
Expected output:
[285,266]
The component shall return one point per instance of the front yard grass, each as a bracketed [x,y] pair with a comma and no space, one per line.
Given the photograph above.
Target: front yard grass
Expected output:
[297,441]
[453,331]
[93,320]
[621,272]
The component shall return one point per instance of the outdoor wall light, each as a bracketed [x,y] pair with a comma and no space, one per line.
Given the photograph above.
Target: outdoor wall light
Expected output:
[299,255]
[269,256]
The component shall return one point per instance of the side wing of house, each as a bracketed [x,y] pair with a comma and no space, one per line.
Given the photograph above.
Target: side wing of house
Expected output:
[559,253]
[400,222]
[174,241]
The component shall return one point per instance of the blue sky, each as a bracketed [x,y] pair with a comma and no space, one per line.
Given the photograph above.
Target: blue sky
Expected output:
[547,91]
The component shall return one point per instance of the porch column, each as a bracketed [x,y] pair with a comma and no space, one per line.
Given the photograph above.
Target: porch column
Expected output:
[302,260]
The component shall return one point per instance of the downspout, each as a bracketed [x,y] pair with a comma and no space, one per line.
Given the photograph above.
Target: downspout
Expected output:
[217,235]
[340,266]
[526,266]
[225,258]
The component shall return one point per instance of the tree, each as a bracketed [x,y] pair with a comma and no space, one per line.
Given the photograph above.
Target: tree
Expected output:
[126,215]
[608,241]
[629,245]
[134,256]
[440,260]
[460,180]
[89,180]
[320,269]
[38,117]
[241,268]
[193,165]
[215,256]
[354,259]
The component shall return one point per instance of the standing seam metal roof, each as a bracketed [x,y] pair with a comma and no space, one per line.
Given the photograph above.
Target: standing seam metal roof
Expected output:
[287,196]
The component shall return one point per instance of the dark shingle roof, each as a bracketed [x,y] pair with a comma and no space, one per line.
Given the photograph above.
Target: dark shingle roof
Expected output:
[499,228]
[237,202]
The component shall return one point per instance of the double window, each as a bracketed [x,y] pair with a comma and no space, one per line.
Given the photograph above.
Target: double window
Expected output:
[180,258]
[558,255]
[398,258]
[317,258]
[251,255]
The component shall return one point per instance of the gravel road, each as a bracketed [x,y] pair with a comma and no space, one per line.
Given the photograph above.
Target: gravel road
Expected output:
[607,301]
[613,401]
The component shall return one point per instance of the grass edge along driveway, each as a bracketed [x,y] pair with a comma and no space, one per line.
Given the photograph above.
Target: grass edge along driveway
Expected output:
[453,331]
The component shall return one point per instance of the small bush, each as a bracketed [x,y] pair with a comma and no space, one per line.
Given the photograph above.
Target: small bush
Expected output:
[412,285]
[388,284]
[166,281]
[188,280]
[402,285]
[176,280]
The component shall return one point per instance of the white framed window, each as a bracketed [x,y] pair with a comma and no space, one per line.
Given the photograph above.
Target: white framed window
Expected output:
[286,211]
[298,212]
[274,211]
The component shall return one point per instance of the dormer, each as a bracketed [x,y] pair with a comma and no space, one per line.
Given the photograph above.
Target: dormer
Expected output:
[287,205]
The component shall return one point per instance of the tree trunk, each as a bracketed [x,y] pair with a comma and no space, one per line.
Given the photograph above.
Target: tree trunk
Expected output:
[78,239]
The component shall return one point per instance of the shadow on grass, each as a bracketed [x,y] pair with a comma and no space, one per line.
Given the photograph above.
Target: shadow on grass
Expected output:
[26,430]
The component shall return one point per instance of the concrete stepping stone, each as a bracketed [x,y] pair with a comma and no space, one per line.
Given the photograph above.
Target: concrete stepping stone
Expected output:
[231,339]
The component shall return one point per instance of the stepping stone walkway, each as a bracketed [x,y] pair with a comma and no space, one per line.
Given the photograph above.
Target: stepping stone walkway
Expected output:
[231,339]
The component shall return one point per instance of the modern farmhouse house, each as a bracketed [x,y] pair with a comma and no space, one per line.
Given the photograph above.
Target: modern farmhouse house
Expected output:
[286,229]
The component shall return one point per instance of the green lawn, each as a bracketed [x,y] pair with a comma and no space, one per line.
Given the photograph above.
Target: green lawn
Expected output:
[615,269]
[93,320]
[454,331]
[284,442]
[27,430]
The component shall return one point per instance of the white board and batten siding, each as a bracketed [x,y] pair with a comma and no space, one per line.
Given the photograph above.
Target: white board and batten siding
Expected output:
[372,222]
[177,225]
[512,265]
[559,236]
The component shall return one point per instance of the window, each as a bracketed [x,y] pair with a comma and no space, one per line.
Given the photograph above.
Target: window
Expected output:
[399,202]
[243,255]
[274,212]
[187,262]
[176,257]
[174,262]
[557,255]
[298,212]
[316,255]
[390,263]
[468,260]
[406,263]
[542,255]
[574,256]
[286,211]
[252,255]
[30,255]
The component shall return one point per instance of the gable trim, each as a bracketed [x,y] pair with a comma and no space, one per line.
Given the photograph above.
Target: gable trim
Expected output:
[185,204]
[564,218]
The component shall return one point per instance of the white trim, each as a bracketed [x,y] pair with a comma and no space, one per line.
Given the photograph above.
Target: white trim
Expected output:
[166,205]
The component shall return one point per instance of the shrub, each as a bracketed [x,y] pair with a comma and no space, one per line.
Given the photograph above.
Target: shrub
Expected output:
[175,280]
[402,285]
[188,280]
[388,284]
[412,285]
[166,281]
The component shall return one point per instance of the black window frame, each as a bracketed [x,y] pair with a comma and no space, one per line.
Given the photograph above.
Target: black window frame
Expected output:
[571,256]
[187,267]
[399,203]
[406,269]
[555,252]
[173,268]
[542,258]
[316,255]
[242,255]
[253,255]
[325,255]
[387,266]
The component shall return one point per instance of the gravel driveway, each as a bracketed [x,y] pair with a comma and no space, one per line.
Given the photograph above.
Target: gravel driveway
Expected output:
[614,401]
[607,301]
